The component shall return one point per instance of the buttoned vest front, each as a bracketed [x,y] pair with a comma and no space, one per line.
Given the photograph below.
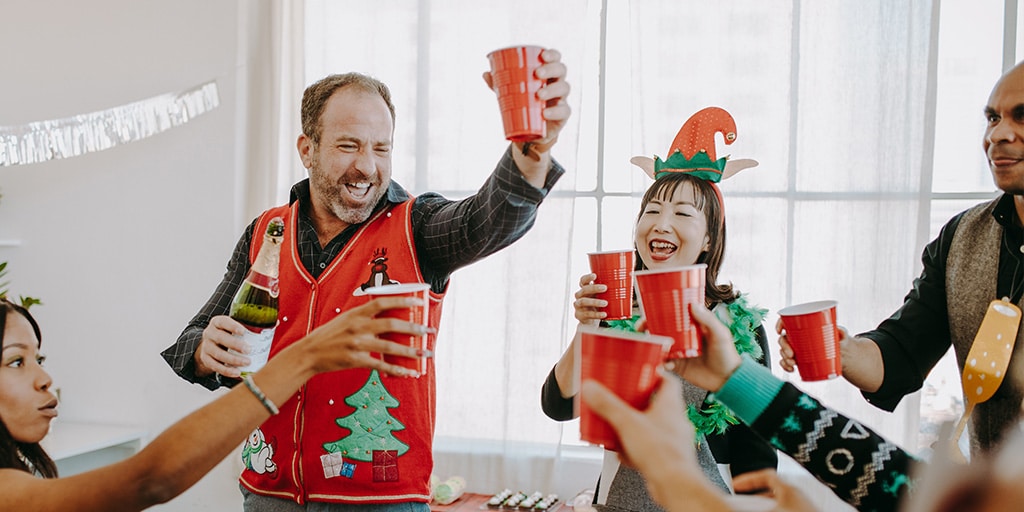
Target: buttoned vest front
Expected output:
[972,273]
[350,436]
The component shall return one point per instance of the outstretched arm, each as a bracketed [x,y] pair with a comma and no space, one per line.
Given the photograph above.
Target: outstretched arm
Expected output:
[452,234]
[186,451]
[910,342]
[862,360]
[875,473]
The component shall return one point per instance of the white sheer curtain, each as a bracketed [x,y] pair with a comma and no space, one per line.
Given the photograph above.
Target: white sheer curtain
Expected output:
[269,90]
[832,97]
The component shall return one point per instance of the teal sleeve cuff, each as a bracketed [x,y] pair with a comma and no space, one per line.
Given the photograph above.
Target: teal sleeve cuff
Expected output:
[749,390]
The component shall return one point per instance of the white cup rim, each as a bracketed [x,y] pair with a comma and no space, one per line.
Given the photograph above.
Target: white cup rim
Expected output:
[808,307]
[397,289]
[619,251]
[670,269]
[629,335]
[515,47]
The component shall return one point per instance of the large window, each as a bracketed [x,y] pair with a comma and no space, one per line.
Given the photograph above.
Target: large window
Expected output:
[973,49]
[865,117]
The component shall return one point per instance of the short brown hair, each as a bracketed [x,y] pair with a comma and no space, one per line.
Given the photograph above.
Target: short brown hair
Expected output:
[316,95]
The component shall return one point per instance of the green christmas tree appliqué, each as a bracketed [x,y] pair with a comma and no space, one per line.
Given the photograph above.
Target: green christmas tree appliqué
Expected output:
[370,425]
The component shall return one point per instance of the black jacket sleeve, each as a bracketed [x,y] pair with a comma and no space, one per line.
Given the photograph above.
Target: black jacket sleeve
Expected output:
[554,404]
[916,336]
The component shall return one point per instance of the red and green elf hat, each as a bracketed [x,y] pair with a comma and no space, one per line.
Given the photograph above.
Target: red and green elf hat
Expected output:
[693,150]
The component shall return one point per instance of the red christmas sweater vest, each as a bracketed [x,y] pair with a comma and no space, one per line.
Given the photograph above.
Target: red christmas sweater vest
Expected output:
[351,436]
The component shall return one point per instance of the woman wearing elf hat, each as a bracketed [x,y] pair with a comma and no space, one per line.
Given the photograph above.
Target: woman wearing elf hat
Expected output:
[681,222]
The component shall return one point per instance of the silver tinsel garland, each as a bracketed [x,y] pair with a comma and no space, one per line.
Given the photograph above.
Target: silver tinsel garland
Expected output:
[72,136]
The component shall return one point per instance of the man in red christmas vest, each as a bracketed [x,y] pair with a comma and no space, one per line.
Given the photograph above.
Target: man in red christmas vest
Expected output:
[361,437]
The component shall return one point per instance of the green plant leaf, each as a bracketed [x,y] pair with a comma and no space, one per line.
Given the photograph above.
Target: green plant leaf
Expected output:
[3,284]
[26,302]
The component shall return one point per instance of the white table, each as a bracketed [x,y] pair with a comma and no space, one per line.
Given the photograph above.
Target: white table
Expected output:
[78,447]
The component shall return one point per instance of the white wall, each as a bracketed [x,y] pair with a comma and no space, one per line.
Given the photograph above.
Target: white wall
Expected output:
[123,245]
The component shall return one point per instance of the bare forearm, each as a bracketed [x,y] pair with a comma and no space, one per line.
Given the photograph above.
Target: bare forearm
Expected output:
[182,454]
[567,369]
[862,363]
[173,462]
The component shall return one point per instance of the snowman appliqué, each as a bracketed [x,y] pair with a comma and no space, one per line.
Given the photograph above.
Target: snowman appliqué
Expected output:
[257,454]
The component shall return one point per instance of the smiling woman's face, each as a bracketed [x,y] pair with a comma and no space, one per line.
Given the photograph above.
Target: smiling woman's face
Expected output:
[26,404]
[672,231]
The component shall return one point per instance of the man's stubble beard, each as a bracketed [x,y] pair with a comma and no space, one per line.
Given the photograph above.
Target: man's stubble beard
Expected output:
[1014,187]
[332,195]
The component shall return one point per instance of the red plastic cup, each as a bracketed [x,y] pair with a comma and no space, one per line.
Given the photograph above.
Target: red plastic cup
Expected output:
[665,298]
[814,336]
[626,363]
[415,314]
[516,84]
[614,269]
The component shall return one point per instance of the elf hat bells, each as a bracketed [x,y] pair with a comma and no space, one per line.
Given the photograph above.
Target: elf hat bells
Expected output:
[693,149]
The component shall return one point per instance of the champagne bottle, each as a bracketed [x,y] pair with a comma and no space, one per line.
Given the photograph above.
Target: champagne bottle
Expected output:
[255,302]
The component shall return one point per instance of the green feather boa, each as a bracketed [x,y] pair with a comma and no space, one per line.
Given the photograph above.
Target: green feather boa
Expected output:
[713,417]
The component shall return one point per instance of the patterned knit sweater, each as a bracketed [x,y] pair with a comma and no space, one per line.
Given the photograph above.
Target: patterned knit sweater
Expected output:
[862,468]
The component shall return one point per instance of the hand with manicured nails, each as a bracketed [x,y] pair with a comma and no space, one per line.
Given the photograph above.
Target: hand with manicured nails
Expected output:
[348,340]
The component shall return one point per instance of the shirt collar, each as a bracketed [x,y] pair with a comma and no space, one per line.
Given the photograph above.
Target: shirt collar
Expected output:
[1005,211]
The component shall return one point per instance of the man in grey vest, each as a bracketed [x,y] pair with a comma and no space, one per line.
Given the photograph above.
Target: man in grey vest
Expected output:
[978,257]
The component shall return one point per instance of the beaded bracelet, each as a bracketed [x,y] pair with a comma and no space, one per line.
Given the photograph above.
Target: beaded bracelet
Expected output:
[259,395]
